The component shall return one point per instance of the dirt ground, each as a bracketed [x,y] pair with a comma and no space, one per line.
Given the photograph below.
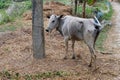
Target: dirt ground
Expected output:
[16,55]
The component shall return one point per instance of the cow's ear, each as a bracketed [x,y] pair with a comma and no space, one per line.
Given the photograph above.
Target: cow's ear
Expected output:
[60,16]
[48,16]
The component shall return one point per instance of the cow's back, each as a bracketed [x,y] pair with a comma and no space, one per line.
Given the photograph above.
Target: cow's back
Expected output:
[73,28]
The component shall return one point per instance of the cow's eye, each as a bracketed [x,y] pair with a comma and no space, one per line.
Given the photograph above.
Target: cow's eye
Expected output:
[53,21]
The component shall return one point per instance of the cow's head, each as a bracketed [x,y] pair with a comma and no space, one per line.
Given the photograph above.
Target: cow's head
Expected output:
[53,22]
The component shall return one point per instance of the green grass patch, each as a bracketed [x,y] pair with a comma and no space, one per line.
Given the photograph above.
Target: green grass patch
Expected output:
[28,4]
[9,75]
[7,28]
[108,16]
[88,10]
[67,2]
[12,26]
[46,75]
[21,7]
[101,38]
[16,76]
[103,35]
[101,5]
[5,18]
[98,5]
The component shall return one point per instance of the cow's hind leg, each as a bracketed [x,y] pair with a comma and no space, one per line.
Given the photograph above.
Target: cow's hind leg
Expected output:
[93,56]
[73,56]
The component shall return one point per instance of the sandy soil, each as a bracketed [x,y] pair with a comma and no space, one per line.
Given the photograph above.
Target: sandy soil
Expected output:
[16,55]
[112,43]
[114,37]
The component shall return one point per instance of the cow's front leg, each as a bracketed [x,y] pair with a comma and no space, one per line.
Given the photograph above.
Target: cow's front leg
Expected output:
[73,56]
[66,48]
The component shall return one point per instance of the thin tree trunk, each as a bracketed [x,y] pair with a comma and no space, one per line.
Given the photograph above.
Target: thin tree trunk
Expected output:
[75,7]
[72,5]
[38,30]
[83,11]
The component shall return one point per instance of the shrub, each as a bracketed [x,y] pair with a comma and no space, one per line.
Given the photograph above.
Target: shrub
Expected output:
[5,18]
[28,4]
[4,3]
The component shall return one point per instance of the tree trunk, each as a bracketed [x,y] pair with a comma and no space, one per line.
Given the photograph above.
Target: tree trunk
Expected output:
[38,30]
[83,11]
[75,7]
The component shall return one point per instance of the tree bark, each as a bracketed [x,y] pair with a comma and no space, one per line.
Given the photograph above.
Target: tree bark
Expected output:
[83,11]
[75,12]
[38,29]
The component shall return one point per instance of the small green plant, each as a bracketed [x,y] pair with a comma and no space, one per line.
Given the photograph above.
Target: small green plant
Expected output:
[6,75]
[28,77]
[5,18]
[9,75]
[7,28]
[60,73]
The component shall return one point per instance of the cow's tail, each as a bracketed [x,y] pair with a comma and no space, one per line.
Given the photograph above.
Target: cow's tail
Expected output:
[97,29]
[97,23]
[96,32]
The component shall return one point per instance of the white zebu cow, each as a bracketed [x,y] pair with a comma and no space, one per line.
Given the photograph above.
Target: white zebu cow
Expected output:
[74,28]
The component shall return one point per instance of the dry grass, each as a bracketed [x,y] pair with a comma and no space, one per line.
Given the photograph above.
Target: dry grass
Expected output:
[16,55]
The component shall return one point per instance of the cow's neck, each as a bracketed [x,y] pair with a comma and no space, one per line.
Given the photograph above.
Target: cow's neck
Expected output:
[59,28]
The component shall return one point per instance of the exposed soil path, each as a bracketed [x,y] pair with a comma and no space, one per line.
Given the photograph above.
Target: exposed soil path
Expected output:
[112,43]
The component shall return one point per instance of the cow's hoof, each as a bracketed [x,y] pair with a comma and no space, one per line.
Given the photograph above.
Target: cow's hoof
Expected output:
[73,57]
[89,65]
[65,58]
